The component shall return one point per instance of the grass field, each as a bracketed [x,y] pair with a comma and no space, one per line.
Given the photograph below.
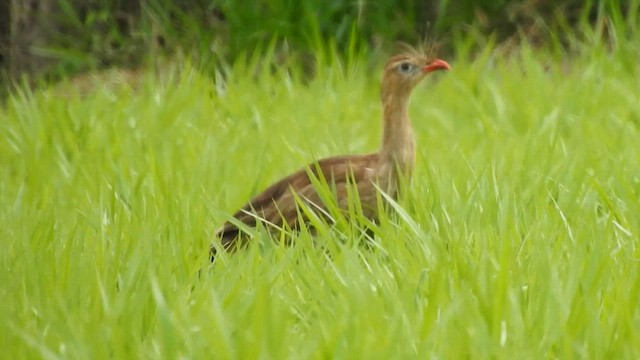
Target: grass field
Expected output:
[518,238]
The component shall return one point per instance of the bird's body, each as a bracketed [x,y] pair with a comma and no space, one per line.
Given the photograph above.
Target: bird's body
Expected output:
[277,204]
[384,170]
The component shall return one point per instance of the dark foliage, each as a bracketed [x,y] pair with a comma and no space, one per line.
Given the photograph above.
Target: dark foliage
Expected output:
[79,35]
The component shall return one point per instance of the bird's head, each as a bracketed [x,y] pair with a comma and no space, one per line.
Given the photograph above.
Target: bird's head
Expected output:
[403,72]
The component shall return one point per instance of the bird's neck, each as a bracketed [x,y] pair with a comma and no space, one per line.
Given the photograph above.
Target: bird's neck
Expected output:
[398,146]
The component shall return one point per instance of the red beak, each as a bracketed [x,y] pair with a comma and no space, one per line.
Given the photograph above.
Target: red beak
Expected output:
[436,65]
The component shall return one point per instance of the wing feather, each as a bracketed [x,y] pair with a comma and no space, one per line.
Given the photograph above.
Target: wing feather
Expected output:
[277,205]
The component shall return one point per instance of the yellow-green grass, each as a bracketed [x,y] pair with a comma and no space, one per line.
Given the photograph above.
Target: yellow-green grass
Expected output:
[518,237]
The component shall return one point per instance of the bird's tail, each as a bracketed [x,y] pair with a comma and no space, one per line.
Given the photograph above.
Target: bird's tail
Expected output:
[227,238]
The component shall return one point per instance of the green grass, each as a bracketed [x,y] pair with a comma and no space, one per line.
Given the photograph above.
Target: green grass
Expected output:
[518,238]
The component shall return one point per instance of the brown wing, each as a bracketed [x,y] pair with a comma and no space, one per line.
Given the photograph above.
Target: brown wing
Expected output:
[277,204]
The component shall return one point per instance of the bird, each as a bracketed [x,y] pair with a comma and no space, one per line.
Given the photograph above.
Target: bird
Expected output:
[278,205]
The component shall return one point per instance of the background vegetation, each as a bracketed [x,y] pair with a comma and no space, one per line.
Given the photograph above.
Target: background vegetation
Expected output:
[518,238]
[59,38]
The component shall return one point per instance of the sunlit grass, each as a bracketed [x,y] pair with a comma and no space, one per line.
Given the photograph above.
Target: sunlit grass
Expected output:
[518,238]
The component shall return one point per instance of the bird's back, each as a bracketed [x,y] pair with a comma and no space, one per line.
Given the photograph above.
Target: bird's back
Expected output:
[277,204]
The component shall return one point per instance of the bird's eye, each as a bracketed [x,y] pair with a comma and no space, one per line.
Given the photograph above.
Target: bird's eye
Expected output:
[405,67]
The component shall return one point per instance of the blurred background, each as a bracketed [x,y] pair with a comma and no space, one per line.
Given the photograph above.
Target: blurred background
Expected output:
[52,39]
